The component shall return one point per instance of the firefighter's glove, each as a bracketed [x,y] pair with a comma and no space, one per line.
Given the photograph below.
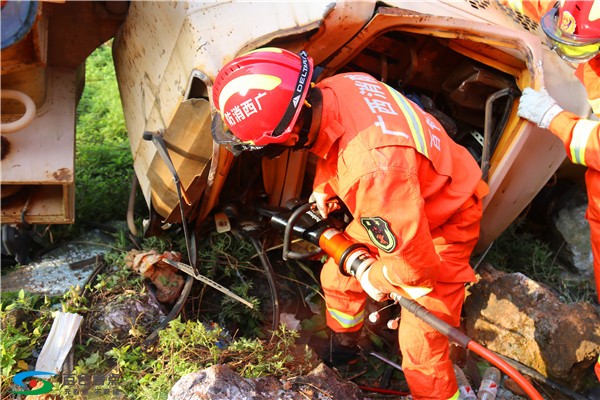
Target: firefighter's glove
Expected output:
[377,293]
[538,107]
[324,205]
[377,283]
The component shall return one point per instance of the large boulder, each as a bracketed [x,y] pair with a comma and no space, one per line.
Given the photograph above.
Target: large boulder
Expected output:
[525,321]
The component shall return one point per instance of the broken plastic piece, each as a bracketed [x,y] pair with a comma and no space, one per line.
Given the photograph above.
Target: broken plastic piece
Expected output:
[59,342]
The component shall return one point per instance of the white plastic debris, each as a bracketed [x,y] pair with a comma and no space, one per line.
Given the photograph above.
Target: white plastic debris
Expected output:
[59,342]
[290,321]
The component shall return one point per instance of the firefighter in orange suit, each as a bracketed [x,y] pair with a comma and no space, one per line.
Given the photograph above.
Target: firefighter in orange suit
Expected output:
[414,194]
[573,31]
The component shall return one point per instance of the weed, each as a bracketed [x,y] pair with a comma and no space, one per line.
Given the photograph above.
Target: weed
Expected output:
[187,347]
[518,250]
[26,320]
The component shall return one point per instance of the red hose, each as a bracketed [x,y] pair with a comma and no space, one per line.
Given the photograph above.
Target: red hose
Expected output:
[383,391]
[506,368]
[463,340]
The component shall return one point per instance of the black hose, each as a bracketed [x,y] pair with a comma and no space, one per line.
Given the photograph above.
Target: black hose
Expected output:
[287,236]
[100,264]
[174,311]
[539,377]
[266,263]
[131,206]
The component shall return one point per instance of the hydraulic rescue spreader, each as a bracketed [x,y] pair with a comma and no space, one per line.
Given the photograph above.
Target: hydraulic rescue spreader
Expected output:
[302,221]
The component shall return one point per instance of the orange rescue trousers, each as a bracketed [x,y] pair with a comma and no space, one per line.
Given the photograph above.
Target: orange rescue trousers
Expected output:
[592,181]
[425,352]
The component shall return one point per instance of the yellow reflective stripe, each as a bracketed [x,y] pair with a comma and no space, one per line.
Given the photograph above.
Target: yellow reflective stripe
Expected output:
[581,134]
[456,396]
[595,103]
[345,320]
[244,83]
[413,120]
[415,292]
[516,5]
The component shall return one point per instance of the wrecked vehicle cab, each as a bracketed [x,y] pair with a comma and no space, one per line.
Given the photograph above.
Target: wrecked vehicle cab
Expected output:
[463,62]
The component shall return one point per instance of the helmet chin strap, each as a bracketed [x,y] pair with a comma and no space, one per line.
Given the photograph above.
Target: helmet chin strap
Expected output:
[311,123]
[312,120]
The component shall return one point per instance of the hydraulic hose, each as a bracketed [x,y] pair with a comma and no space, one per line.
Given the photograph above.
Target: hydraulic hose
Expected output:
[383,391]
[352,256]
[463,340]
[287,236]
[506,368]
[264,260]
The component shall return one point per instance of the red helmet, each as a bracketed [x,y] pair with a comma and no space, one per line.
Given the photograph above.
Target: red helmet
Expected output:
[573,29]
[259,96]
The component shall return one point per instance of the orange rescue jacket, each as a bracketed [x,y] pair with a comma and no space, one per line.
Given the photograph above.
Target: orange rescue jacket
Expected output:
[398,172]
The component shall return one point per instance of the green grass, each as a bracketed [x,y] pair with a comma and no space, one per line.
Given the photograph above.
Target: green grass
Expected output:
[131,368]
[517,250]
[104,164]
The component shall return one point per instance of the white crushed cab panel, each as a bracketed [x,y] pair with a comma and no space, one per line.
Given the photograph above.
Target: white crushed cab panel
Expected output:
[196,38]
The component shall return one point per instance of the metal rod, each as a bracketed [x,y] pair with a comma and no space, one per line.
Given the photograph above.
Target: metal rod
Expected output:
[387,361]
[189,270]
[487,131]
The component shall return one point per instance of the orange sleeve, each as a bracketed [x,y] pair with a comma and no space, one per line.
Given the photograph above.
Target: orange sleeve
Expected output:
[388,202]
[589,74]
[580,136]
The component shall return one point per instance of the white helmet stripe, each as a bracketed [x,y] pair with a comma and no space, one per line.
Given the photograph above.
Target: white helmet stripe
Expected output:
[245,83]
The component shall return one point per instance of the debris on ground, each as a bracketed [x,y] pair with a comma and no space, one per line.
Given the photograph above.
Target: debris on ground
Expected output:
[124,315]
[59,342]
[196,353]
[69,265]
[166,278]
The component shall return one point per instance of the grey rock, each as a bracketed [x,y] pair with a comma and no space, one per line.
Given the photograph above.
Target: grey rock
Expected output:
[572,232]
[220,382]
